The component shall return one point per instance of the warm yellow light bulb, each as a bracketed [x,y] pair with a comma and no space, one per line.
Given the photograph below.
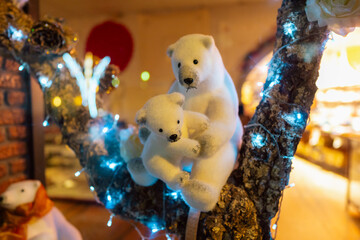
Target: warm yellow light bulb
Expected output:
[145,76]
[78,101]
[115,82]
[88,66]
[57,101]
[353,56]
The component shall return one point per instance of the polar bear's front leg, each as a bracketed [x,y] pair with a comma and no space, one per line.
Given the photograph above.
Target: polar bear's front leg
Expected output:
[169,172]
[196,122]
[139,174]
[223,120]
[186,147]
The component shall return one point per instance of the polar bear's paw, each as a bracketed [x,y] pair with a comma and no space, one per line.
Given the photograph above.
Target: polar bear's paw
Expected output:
[196,149]
[210,144]
[179,180]
[205,124]
[200,195]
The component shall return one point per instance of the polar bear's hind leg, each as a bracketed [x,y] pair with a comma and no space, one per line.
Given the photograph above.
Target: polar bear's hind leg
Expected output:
[208,176]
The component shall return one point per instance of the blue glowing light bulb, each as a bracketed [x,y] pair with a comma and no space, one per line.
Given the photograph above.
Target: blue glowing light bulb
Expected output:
[112,166]
[274,227]
[15,34]
[109,223]
[174,195]
[290,29]
[298,115]
[257,140]
[43,80]
[45,123]
[79,172]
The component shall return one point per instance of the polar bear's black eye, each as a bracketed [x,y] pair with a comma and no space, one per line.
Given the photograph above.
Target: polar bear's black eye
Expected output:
[178,121]
[179,65]
[196,61]
[22,190]
[160,130]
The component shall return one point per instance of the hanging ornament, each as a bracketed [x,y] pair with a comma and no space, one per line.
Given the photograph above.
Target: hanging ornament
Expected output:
[49,37]
[89,80]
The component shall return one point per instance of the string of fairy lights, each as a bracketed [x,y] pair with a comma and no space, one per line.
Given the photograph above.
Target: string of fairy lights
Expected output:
[88,79]
[297,118]
[88,82]
[87,90]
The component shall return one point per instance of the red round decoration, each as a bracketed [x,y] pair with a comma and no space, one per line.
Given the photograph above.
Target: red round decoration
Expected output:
[113,40]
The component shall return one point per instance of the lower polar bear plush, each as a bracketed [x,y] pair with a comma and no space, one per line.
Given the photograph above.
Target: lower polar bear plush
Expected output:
[168,142]
[30,214]
[208,89]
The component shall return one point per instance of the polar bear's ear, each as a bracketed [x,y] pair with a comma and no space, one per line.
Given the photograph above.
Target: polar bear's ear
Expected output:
[170,50]
[208,41]
[177,98]
[37,184]
[141,117]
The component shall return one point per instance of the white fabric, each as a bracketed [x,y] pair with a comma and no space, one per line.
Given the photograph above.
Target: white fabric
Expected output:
[192,224]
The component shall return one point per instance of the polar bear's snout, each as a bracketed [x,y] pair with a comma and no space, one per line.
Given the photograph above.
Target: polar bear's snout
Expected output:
[3,199]
[188,81]
[174,138]
[188,77]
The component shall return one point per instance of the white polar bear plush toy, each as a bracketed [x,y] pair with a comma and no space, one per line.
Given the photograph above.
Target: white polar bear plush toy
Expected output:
[30,213]
[208,89]
[168,142]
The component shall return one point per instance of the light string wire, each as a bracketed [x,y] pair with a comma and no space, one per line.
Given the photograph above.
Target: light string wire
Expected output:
[278,216]
[168,236]
[280,157]
[55,71]
[251,125]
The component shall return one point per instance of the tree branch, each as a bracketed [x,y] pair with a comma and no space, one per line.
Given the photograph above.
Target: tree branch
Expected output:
[251,197]
[283,112]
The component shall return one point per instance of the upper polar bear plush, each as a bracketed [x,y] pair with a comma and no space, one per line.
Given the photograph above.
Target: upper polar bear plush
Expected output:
[208,89]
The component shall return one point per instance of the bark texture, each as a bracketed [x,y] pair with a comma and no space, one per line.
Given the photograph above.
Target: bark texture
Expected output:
[282,115]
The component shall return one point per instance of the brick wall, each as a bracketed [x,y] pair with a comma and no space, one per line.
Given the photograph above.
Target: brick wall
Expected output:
[14,123]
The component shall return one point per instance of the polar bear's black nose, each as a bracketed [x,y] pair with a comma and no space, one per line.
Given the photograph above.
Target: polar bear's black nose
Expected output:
[173,137]
[1,198]
[188,81]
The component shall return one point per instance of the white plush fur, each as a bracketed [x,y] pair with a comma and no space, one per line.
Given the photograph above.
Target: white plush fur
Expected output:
[53,226]
[168,142]
[211,92]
